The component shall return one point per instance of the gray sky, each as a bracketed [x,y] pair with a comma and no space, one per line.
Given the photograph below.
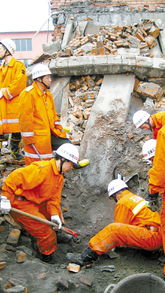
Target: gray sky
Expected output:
[25,15]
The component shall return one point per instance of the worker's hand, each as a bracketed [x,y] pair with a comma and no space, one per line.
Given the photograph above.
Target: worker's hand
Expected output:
[56,219]
[5,205]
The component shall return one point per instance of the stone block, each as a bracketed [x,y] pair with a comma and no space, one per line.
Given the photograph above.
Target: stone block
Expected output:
[13,237]
[73,268]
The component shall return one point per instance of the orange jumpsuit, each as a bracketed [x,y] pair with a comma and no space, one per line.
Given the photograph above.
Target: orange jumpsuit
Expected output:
[157,177]
[36,189]
[38,120]
[133,225]
[12,81]
[159,121]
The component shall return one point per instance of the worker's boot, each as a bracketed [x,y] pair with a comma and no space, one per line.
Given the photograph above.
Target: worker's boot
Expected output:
[63,237]
[88,256]
[47,258]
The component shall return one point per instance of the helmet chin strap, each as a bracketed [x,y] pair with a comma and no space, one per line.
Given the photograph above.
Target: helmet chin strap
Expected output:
[148,122]
[47,86]
[5,54]
[61,164]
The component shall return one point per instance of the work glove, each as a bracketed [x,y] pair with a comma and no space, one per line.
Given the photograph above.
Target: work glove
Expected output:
[152,199]
[56,219]
[5,205]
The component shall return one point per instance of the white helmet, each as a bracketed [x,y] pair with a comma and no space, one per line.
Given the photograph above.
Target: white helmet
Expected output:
[115,186]
[9,45]
[69,152]
[148,149]
[140,117]
[40,70]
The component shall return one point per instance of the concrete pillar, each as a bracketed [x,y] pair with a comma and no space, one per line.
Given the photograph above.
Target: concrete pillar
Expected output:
[99,143]
[68,34]
[162,41]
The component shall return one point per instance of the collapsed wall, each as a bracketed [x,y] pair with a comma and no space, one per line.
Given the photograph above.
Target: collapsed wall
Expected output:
[129,58]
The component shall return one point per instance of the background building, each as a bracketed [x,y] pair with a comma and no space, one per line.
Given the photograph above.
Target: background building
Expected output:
[28,44]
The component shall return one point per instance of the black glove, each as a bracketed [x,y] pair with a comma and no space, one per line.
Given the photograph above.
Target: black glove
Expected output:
[152,198]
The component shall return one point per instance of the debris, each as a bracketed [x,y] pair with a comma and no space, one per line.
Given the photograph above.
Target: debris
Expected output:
[86,281]
[21,257]
[62,284]
[8,218]
[13,237]
[2,265]
[109,268]
[72,267]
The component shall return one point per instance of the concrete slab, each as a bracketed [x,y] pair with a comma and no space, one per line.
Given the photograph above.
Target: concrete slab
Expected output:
[156,51]
[59,89]
[68,34]
[112,104]
[52,47]
[143,67]
[92,28]
[162,41]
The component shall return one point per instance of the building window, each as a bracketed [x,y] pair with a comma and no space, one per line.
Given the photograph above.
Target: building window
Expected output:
[23,44]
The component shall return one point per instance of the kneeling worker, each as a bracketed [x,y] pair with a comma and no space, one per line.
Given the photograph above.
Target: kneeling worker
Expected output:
[36,189]
[135,225]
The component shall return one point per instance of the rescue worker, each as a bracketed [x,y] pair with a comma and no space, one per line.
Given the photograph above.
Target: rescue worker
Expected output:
[12,81]
[157,178]
[37,189]
[40,126]
[154,122]
[148,150]
[135,225]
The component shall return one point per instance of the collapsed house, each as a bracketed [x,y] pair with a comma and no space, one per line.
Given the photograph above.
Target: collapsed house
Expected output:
[108,62]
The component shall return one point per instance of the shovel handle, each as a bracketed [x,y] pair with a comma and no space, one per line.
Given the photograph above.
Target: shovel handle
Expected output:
[36,151]
[64,229]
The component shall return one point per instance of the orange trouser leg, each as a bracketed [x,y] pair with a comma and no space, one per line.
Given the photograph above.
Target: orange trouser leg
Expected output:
[44,234]
[162,218]
[117,234]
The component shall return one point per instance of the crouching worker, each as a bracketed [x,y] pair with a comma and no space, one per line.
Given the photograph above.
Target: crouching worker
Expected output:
[36,189]
[135,225]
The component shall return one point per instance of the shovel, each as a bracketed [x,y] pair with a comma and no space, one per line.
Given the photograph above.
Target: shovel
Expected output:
[64,229]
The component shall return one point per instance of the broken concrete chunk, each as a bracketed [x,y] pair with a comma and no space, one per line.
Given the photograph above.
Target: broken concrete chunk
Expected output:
[13,237]
[150,89]
[21,257]
[16,289]
[2,265]
[86,281]
[72,267]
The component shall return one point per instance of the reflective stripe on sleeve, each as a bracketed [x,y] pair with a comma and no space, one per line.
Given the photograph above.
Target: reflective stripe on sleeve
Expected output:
[139,207]
[27,134]
[57,123]
[35,156]
[3,121]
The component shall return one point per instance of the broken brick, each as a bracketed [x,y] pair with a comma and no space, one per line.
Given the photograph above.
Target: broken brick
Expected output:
[13,237]
[73,268]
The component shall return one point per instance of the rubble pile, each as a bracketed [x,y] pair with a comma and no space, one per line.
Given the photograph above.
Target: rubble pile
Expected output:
[83,92]
[153,88]
[111,40]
